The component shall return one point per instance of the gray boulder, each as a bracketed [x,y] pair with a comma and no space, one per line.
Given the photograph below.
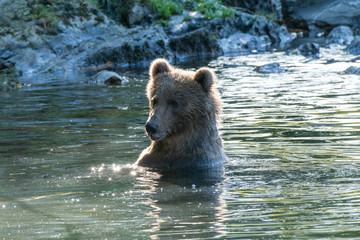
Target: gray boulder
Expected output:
[341,35]
[196,44]
[137,14]
[239,42]
[279,36]
[135,47]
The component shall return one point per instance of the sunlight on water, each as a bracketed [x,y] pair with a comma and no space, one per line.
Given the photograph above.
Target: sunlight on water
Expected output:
[68,146]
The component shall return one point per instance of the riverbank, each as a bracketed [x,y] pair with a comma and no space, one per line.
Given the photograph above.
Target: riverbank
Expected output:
[42,36]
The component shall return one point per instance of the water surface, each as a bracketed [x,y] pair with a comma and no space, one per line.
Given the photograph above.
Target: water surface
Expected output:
[67,146]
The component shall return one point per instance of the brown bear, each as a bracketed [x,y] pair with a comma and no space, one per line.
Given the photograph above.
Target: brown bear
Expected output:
[183,119]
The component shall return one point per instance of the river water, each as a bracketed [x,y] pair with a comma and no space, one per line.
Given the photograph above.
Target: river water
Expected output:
[67,146]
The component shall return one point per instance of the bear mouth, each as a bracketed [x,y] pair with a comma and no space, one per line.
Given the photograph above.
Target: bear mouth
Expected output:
[158,136]
[154,137]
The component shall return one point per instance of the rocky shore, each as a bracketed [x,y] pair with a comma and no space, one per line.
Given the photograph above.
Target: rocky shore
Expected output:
[38,36]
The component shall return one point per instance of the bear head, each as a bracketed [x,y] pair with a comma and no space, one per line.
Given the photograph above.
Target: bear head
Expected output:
[180,100]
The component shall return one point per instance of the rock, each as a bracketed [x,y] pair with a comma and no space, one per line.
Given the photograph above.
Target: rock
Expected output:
[341,35]
[309,49]
[352,70]
[29,60]
[354,47]
[108,78]
[137,14]
[196,44]
[244,31]
[239,42]
[188,21]
[355,59]
[9,79]
[277,9]
[178,25]
[6,54]
[135,48]
[242,21]
[87,39]
[330,61]
[324,13]
[269,68]
[4,63]
[280,38]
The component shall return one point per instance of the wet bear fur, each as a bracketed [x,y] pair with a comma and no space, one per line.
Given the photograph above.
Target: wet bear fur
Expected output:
[183,119]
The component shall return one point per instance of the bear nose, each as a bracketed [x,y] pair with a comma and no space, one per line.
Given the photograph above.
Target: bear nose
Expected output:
[151,127]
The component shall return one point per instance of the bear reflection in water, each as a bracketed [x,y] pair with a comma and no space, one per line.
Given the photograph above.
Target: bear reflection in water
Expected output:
[191,207]
[183,120]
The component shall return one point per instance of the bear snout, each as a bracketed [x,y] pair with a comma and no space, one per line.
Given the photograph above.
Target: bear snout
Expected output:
[151,128]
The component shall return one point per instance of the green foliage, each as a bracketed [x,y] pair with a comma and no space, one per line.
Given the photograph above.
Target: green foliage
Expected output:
[47,17]
[210,8]
[94,3]
[214,9]
[228,12]
[166,8]
[41,11]
[162,22]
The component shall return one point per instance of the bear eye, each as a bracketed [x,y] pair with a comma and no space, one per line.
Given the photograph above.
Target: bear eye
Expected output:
[154,101]
[173,103]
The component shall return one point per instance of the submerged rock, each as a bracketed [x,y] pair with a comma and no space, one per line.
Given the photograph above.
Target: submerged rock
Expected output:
[108,78]
[269,68]
[309,49]
[341,35]
[352,70]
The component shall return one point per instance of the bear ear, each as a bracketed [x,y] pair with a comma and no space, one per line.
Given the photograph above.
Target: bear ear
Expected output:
[205,77]
[159,66]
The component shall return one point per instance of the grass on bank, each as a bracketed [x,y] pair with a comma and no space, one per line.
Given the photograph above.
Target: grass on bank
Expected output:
[210,8]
